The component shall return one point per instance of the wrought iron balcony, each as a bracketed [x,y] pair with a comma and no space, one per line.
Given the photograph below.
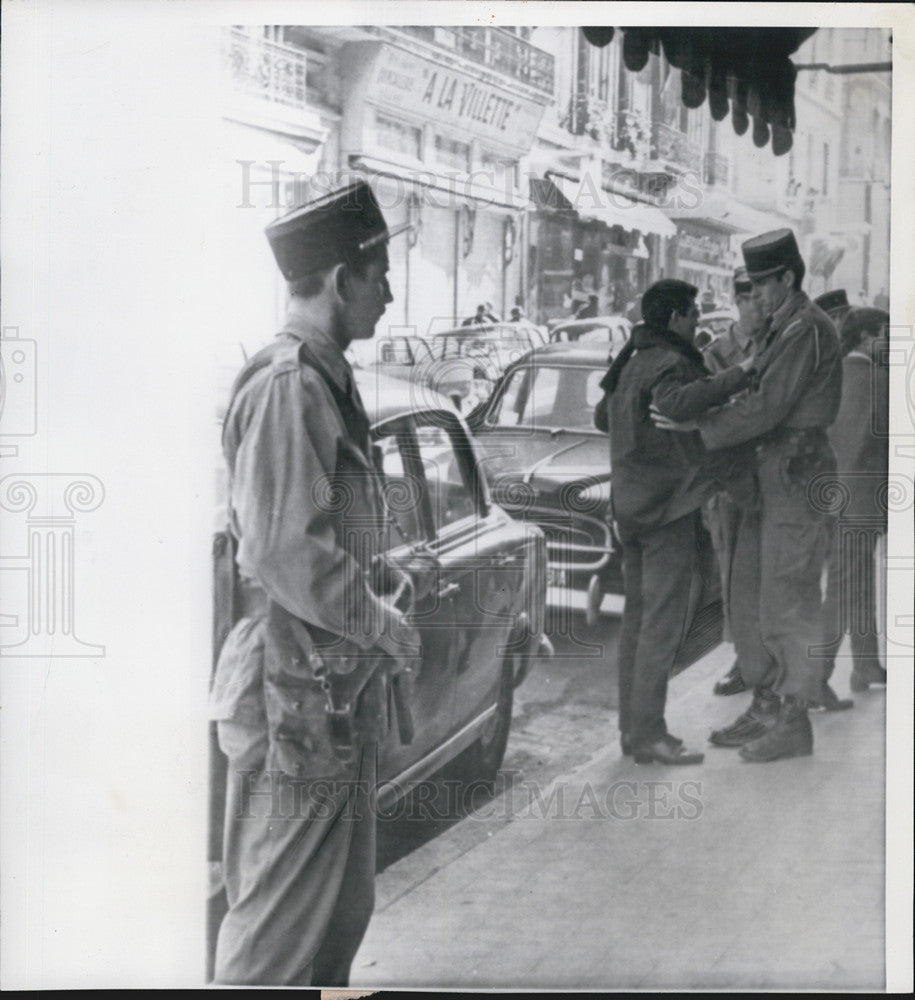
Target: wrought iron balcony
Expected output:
[268,70]
[495,48]
[716,169]
[674,149]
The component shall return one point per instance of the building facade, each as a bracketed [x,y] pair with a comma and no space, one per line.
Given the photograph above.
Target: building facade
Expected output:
[537,169]
[437,118]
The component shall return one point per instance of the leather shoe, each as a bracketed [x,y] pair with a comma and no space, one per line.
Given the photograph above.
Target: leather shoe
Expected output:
[731,683]
[666,751]
[760,716]
[830,701]
[791,736]
[626,742]
[863,676]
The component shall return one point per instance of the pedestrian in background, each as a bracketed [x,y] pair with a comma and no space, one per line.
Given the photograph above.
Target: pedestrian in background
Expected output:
[780,550]
[299,843]
[860,438]
[835,304]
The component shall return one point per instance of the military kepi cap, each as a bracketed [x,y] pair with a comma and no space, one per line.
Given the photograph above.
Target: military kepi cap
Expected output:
[742,283]
[836,299]
[330,230]
[771,253]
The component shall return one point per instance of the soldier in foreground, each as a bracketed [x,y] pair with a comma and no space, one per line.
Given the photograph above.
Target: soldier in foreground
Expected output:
[315,639]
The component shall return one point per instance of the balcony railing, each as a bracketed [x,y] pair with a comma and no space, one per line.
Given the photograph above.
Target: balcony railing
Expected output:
[715,169]
[672,147]
[494,48]
[630,132]
[268,70]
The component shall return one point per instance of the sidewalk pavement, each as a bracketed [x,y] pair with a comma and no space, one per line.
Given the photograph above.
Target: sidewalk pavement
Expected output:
[719,875]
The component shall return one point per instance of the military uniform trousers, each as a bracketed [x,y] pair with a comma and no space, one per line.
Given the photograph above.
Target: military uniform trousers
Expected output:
[851,593]
[776,598]
[299,868]
[658,566]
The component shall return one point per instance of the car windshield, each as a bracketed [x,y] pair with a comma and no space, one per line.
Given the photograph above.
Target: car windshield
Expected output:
[402,351]
[508,346]
[549,397]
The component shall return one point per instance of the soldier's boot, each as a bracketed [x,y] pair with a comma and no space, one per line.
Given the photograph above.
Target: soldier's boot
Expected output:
[865,674]
[731,683]
[791,736]
[761,716]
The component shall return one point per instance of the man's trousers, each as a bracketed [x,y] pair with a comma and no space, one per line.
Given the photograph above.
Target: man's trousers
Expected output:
[658,566]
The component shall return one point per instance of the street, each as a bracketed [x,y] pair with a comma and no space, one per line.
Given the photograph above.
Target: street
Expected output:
[759,876]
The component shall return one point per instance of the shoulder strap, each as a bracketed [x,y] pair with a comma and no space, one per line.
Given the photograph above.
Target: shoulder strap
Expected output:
[354,419]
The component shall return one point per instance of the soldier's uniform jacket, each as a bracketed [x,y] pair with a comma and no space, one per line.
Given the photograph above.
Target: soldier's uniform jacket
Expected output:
[797,394]
[304,505]
[727,350]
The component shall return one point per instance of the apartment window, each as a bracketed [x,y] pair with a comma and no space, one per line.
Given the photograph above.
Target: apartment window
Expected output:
[398,136]
[452,153]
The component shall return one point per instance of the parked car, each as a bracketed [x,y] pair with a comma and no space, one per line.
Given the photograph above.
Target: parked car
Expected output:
[461,363]
[612,331]
[549,465]
[477,587]
[474,357]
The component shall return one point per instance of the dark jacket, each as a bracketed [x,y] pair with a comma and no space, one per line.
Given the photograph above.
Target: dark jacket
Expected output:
[659,476]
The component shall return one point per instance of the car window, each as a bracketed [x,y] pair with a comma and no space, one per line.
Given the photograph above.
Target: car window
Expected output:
[450,496]
[549,397]
[425,483]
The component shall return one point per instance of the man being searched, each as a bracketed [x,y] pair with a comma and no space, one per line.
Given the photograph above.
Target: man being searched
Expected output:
[659,484]
[300,689]
[781,548]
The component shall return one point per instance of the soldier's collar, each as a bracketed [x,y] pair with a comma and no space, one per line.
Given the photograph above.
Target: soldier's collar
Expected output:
[324,347]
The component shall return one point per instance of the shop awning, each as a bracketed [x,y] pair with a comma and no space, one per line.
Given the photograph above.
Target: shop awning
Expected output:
[591,201]
[721,211]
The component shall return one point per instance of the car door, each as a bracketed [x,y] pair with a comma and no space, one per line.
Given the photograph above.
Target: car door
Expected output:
[481,554]
[466,558]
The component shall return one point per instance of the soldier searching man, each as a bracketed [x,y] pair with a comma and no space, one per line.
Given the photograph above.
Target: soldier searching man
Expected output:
[781,546]
[316,635]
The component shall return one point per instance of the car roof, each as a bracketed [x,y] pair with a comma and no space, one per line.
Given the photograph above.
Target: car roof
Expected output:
[385,397]
[574,353]
[481,329]
[593,321]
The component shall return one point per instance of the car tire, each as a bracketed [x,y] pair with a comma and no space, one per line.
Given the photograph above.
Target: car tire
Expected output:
[484,758]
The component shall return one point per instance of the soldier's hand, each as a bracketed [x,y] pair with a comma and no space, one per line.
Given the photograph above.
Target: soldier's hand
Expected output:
[666,424]
[399,638]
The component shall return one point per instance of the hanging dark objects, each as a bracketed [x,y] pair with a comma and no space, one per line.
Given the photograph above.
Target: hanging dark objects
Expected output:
[746,71]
